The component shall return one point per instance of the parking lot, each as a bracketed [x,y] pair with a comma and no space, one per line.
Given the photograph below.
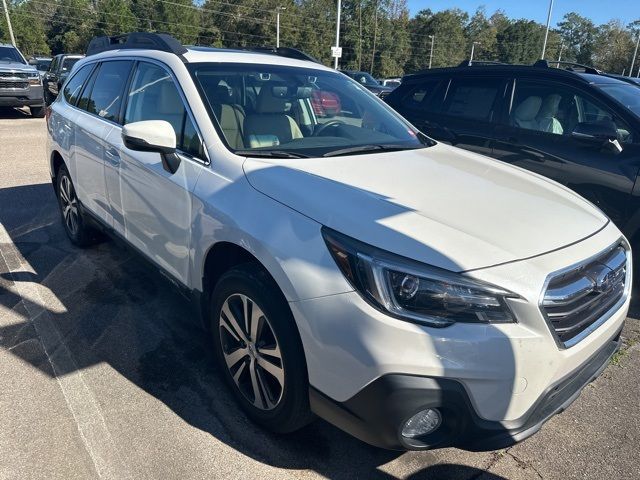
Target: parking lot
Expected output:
[103,374]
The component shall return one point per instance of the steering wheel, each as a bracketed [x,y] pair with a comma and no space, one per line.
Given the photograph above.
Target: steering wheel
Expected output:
[323,127]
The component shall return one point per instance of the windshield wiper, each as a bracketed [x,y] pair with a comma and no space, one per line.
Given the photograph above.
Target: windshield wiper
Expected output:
[270,154]
[369,148]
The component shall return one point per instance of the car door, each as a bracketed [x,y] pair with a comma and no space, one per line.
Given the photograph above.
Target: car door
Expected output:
[156,204]
[99,113]
[542,133]
[418,101]
[50,78]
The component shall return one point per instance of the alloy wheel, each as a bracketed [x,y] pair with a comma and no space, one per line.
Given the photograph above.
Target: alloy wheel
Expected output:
[251,351]
[69,205]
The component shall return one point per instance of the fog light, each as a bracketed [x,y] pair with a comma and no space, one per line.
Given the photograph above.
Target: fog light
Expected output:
[422,423]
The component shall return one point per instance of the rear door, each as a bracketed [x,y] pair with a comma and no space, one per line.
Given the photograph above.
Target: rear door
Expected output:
[100,105]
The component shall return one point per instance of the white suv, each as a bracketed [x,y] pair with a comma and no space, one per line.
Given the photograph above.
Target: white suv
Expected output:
[413,294]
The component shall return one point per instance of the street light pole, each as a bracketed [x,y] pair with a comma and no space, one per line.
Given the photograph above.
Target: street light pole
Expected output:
[278,10]
[6,13]
[335,65]
[432,37]
[546,33]
[560,54]
[635,52]
[473,48]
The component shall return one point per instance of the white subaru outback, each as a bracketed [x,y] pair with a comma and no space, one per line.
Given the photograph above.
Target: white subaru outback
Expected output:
[413,294]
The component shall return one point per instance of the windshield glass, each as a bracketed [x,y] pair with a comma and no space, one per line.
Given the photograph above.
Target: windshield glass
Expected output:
[289,111]
[43,64]
[68,63]
[626,94]
[365,79]
[10,54]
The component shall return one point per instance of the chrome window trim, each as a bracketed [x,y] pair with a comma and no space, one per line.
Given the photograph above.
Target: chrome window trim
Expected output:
[608,314]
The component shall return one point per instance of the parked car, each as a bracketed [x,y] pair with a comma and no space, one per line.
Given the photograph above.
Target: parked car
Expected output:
[20,84]
[41,64]
[412,293]
[368,81]
[624,78]
[391,82]
[59,70]
[580,128]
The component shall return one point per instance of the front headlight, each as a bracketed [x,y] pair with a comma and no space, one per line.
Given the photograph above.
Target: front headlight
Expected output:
[409,290]
[34,79]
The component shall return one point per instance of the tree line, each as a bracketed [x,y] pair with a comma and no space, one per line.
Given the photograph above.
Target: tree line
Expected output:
[376,35]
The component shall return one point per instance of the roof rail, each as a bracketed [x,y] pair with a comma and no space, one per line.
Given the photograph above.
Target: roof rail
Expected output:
[138,40]
[570,66]
[471,63]
[284,52]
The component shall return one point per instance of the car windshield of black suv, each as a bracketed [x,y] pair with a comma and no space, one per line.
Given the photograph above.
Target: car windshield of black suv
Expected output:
[279,111]
[10,54]
[626,94]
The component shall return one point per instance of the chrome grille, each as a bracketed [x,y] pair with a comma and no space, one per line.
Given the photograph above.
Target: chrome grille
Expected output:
[5,84]
[12,75]
[578,299]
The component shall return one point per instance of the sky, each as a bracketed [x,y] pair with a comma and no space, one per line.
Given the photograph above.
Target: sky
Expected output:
[599,11]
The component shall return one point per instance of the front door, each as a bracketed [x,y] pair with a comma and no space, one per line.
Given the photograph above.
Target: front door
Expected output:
[156,203]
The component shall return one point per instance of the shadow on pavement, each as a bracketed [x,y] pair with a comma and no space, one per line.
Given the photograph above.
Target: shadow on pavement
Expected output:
[13,113]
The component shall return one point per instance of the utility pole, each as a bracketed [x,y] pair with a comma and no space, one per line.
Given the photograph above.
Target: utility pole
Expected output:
[375,35]
[473,48]
[546,33]
[6,13]
[635,52]
[433,38]
[338,32]
[278,10]
[560,54]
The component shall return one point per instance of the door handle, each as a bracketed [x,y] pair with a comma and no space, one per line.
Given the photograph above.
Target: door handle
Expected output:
[112,155]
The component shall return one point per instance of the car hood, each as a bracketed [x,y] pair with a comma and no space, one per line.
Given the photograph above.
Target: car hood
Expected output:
[17,66]
[440,205]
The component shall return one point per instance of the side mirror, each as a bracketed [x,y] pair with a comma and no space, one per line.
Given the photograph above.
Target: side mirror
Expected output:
[153,136]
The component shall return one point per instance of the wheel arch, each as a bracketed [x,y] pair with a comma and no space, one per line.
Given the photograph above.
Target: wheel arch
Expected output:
[56,161]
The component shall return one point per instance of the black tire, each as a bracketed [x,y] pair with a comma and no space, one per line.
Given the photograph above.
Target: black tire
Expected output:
[38,112]
[78,230]
[291,412]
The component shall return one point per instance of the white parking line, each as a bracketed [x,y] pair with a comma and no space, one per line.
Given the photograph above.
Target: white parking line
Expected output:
[80,401]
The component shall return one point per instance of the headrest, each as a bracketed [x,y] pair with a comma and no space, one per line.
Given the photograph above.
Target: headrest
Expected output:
[550,106]
[270,102]
[221,94]
[169,101]
[528,109]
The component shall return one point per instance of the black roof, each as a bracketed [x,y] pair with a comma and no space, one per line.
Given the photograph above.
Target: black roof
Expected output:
[541,67]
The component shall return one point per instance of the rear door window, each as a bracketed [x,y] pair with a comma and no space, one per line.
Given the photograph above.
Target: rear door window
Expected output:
[473,98]
[106,95]
[73,87]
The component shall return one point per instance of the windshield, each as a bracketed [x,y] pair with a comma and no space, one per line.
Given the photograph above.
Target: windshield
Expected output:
[43,64]
[67,63]
[10,54]
[288,111]
[626,94]
[365,79]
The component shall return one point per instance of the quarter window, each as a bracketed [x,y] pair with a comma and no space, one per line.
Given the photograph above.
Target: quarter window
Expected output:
[472,98]
[106,95]
[73,87]
[154,96]
[418,96]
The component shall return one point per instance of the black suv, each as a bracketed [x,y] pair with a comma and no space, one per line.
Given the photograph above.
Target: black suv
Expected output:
[58,72]
[367,81]
[574,125]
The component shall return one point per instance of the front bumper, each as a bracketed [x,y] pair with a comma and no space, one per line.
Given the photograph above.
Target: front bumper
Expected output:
[377,413]
[27,97]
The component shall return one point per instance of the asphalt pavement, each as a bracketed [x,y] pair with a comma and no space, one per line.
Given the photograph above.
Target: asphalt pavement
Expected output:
[105,375]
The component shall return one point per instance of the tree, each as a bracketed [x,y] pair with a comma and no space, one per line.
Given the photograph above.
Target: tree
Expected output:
[613,47]
[578,36]
[520,42]
[481,29]
[114,17]
[28,29]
